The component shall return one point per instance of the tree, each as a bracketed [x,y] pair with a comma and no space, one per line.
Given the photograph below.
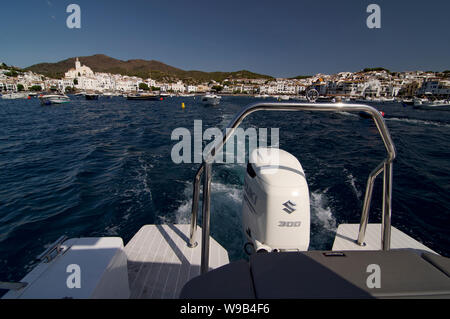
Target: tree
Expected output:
[154,88]
[75,81]
[69,89]
[376,69]
[143,86]
[20,87]
[12,74]
[217,88]
[36,88]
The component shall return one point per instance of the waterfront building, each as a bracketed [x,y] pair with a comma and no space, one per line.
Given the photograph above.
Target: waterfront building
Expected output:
[79,71]
[435,86]
[192,88]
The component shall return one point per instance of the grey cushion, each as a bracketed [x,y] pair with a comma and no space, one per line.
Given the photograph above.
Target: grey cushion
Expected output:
[440,262]
[232,281]
[316,275]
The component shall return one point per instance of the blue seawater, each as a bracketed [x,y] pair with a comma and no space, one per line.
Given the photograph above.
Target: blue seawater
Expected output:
[104,168]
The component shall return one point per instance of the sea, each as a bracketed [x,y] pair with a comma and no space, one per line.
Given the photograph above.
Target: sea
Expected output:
[104,168]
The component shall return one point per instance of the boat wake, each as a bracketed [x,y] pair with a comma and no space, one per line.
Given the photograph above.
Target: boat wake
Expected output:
[352,181]
[421,122]
[321,212]
[323,223]
[226,223]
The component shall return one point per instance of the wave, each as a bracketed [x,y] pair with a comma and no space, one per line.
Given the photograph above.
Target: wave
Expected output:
[133,196]
[321,212]
[352,181]
[405,120]
[226,201]
[415,121]
[349,114]
[222,196]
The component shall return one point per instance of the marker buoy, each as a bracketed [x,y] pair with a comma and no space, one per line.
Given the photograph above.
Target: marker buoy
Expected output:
[182,105]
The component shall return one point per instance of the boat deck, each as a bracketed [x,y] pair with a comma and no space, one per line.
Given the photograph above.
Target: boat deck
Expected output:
[347,234]
[160,262]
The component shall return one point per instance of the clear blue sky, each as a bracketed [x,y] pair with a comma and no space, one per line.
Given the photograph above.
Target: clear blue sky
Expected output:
[277,37]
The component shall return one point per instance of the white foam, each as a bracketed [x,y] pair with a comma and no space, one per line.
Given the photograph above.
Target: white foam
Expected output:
[414,121]
[321,212]
[112,230]
[229,196]
[352,181]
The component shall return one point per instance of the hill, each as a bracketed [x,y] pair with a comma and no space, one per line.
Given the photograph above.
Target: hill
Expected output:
[141,68]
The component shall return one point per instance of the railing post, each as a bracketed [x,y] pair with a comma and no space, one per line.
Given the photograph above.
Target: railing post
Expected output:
[195,199]
[385,166]
[366,205]
[206,216]
[387,207]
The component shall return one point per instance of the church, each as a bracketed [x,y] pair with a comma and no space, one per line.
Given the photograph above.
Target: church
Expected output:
[80,70]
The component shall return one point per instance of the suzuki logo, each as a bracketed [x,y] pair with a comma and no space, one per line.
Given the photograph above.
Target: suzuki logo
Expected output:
[289,207]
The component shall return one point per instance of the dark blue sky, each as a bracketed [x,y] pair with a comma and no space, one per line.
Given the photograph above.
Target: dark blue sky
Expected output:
[278,37]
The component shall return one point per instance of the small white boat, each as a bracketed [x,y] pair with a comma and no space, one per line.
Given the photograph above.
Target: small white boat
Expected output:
[54,99]
[13,96]
[211,99]
[440,105]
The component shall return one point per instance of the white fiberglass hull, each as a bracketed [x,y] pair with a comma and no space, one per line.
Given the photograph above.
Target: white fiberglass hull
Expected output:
[210,100]
[54,99]
[13,96]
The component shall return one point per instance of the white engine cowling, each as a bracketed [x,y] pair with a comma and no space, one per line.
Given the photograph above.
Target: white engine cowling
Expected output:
[276,212]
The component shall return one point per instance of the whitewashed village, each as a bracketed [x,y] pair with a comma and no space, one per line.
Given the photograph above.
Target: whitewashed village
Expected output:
[368,84]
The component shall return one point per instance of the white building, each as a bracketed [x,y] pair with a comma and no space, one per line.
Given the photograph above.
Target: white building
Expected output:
[79,71]
[192,88]
[435,86]
[178,87]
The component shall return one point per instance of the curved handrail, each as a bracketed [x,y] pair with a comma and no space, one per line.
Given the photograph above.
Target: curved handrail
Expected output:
[385,166]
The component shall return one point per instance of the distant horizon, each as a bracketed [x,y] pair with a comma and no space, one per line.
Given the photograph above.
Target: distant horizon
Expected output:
[283,39]
[253,71]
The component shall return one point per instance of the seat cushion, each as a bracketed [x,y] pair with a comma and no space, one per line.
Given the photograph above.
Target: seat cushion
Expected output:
[232,281]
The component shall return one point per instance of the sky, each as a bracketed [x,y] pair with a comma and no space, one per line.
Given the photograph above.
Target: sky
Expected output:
[278,37]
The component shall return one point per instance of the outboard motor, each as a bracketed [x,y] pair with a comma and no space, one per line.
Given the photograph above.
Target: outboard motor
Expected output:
[275,210]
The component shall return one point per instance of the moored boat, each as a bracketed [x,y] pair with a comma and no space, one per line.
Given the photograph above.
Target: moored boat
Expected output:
[91,96]
[210,99]
[149,97]
[13,96]
[54,99]
[437,105]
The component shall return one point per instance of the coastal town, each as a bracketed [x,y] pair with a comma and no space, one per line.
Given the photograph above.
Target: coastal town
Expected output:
[377,83]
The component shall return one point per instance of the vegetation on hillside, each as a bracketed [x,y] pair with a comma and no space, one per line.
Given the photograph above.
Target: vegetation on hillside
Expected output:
[375,70]
[140,68]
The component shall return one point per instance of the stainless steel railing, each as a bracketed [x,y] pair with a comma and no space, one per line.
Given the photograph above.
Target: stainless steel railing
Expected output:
[385,166]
